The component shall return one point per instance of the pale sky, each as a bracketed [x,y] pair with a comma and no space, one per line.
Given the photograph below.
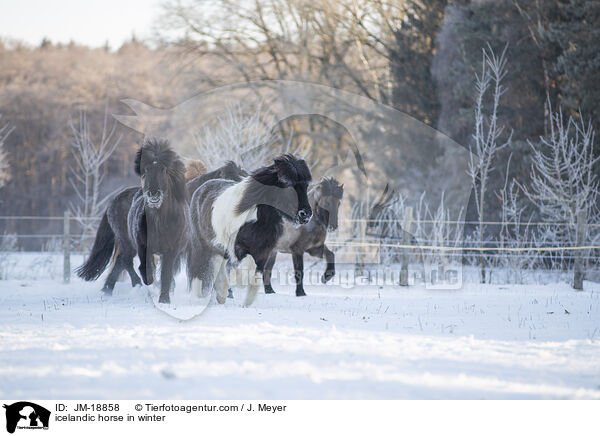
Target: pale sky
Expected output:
[89,22]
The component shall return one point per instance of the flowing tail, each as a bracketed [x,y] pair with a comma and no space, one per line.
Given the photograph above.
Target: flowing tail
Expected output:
[102,251]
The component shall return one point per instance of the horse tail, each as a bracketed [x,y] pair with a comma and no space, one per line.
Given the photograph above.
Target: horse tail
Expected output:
[102,252]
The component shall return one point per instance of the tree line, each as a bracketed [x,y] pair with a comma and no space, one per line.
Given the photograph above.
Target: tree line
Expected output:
[420,57]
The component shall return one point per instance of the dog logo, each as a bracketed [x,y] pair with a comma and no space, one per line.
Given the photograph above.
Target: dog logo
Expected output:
[26,415]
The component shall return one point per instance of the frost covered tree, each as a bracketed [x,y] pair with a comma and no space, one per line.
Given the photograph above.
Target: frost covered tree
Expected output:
[90,152]
[564,185]
[516,234]
[5,130]
[487,136]
[245,137]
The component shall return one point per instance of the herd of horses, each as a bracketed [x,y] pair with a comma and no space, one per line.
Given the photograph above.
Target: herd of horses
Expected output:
[212,223]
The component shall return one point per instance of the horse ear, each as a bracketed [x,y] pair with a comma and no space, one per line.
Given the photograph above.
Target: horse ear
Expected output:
[138,162]
[281,167]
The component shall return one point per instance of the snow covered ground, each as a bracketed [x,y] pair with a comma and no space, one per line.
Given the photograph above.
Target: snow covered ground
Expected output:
[482,341]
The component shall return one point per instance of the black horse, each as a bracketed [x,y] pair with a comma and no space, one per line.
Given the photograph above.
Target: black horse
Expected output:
[147,221]
[229,171]
[243,221]
[325,201]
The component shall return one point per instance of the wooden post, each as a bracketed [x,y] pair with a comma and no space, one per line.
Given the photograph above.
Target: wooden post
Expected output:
[579,254]
[67,247]
[406,229]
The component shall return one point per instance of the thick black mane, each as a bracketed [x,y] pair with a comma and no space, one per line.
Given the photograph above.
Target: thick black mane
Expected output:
[286,170]
[273,185]
[229,171]
[159,150]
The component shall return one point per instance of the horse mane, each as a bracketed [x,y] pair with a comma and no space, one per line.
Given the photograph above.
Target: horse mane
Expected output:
[328,187]
[159,149]
[285,172]
[232,171]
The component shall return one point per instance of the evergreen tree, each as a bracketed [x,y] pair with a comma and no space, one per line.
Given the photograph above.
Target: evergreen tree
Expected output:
[576,32]
[411,59]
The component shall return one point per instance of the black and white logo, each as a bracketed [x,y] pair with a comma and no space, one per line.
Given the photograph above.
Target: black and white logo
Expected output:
[26,415]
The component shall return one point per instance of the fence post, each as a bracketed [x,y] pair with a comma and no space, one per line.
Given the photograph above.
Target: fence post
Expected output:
[579,254]
[406,229]
[67,247]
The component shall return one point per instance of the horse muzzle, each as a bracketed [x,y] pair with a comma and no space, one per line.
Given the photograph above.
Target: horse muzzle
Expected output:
[154,201]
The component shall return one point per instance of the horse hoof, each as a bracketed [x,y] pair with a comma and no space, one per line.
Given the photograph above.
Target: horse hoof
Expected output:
[269,291]
[300,293]
[165,299]
[229,293]
[221,300]
[107,291]
[327,276]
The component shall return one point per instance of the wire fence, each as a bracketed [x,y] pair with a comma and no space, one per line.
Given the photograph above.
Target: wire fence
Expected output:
[353,243]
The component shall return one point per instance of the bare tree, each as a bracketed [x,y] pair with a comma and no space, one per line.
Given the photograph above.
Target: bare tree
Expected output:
[564,185]
[486,139]
[8,242]
[516,233]
[5,130]
[90,153]
[245,137]
[344,43]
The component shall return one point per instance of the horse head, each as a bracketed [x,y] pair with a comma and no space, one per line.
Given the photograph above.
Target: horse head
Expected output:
[284,186]
[161,171]
[327,197]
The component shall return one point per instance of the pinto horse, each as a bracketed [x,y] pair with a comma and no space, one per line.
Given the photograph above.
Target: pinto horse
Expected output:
[147,221]
[242,221]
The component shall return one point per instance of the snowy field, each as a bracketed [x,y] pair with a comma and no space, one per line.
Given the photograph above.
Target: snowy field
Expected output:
[368,342]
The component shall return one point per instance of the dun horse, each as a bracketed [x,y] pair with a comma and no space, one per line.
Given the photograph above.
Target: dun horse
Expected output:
[243,221]
[153,219]
[325,201]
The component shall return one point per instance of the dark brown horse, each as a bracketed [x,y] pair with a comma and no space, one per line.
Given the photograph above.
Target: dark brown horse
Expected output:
[325,201]
[147,221]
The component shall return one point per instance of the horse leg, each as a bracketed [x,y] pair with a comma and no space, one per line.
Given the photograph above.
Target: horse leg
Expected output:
[146,257]
[199,261]
[112,278]
[228,271]
[250,265]
[166,277]
[299,273]
[146,264]
[176,268]
[128,264]
[330,269]
[221,282]
[267,273]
